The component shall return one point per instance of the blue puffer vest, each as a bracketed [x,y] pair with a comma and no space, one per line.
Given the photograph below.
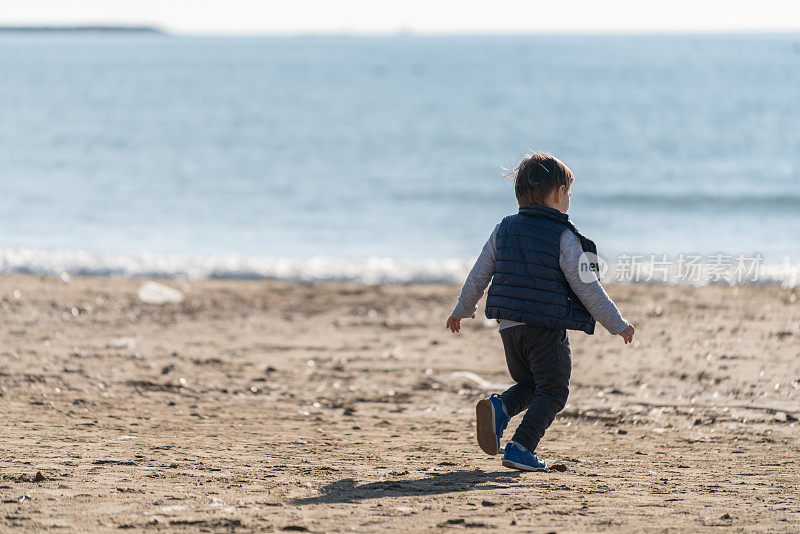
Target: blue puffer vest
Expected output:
[528,285]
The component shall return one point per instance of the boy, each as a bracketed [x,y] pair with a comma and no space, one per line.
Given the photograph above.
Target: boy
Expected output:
[542,285]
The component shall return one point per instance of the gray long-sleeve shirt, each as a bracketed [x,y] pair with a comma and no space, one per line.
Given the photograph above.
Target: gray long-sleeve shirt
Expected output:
[590,292]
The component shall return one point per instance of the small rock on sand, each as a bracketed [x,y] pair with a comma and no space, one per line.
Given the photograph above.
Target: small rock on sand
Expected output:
[155,293]
[122,343]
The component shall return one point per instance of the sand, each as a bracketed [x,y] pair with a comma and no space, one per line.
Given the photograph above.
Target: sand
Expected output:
[268,405]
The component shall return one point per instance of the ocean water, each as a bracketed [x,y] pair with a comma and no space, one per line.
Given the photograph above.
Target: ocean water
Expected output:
[381,158]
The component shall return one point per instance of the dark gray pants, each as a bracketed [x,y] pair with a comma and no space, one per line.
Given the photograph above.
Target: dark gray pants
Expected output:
[539,361]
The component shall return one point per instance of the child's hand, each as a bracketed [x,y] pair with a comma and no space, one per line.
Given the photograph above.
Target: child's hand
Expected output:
[454,324]
[627,334]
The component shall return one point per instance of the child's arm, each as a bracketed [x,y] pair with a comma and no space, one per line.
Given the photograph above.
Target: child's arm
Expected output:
[477,281]
[589,291]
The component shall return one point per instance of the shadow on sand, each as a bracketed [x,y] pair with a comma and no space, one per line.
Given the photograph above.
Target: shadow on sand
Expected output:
[346,490]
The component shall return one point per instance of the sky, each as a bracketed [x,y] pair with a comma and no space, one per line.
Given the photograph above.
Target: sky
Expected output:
[419,16]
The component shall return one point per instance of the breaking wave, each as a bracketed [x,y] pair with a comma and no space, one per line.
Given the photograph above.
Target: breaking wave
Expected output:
[371,270]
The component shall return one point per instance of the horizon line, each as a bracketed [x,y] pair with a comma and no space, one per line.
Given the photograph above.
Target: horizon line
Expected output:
[399,32]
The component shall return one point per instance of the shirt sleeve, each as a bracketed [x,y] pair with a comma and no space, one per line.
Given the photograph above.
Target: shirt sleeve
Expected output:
[587,287]
[477,280]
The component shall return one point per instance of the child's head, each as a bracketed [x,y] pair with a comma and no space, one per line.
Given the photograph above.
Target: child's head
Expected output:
[543,179]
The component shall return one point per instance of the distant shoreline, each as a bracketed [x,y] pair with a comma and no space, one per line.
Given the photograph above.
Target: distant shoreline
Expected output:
[790,33]
[83,29]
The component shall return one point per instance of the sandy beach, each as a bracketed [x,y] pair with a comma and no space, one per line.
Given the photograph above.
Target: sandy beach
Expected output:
[270,406]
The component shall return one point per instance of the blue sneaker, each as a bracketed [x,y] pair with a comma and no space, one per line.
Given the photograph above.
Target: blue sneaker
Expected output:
[492,420]
[518,457]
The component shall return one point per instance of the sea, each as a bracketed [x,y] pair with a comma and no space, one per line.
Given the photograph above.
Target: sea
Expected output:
[385,159]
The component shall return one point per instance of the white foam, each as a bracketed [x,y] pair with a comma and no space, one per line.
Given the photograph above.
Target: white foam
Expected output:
[372,270]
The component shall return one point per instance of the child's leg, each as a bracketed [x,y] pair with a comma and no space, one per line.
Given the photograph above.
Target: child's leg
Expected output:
[518,397]
[492,414]
[547,354]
